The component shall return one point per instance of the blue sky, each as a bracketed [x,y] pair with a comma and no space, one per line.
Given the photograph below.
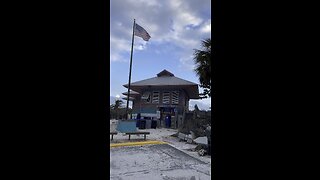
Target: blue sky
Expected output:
[176,28]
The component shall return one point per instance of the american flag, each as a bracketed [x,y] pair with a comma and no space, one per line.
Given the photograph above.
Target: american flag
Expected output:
[141,32]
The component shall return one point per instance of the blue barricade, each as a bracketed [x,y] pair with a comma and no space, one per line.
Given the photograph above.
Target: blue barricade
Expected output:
[126,126]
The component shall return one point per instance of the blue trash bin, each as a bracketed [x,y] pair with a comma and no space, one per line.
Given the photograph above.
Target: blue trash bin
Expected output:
[168,121]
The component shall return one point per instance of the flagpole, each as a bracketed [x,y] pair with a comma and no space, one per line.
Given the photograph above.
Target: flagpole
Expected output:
[127,110]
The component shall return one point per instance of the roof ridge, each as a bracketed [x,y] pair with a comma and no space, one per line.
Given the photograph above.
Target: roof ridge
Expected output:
[164,73]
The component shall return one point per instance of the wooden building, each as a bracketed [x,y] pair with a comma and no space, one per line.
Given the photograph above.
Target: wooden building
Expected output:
[161,96]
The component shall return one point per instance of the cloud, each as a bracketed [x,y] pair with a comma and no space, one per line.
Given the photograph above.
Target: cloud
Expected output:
[187,62]
[176,27]
[206,27]
[204,104]
[124,105]
[181,23]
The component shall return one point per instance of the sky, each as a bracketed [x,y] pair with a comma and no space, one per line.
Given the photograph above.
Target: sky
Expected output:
[176,27]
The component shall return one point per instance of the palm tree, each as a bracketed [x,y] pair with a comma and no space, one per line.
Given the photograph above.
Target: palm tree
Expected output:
[116,106]
[202,60]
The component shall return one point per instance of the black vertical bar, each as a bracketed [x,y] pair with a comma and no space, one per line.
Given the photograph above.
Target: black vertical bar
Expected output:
[127,110]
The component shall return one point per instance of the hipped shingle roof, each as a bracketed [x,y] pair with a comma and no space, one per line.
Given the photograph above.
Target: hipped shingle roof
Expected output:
[167,79]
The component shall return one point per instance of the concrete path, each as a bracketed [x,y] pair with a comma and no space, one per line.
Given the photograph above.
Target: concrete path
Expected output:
[156,162]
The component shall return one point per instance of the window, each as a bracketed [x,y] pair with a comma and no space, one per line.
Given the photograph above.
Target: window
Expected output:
[146,96]
[166,98]
[155,97]
[175,97]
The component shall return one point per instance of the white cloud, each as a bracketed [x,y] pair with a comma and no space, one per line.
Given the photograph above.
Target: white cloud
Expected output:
[204,104]
[186,62]
[178,22]
[176,28]
[206,27]
[150,3]
[118,46]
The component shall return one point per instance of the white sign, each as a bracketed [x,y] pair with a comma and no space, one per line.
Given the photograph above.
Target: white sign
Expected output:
[148,115]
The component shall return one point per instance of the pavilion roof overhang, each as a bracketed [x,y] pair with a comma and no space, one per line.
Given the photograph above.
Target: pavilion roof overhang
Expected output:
[130,99]
[132,93]
[191,90]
